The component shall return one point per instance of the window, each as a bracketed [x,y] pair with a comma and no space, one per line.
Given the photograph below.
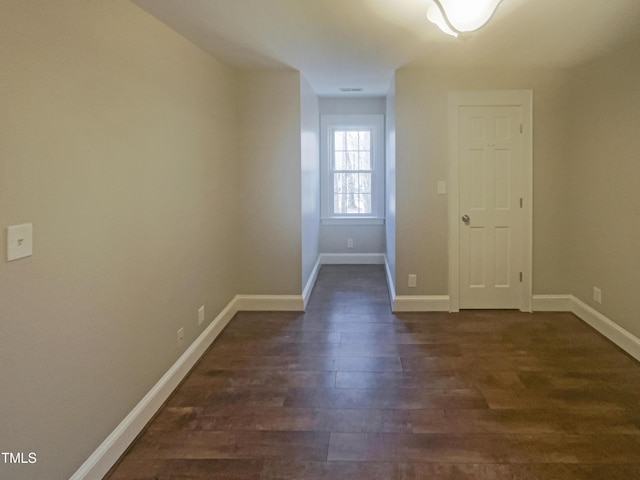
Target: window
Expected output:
[353,169]
[352,172]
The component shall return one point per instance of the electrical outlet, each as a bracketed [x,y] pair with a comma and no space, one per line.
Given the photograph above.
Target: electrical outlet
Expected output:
[201,315]
[180,335]
[413,280]
[349,242]
[597,295]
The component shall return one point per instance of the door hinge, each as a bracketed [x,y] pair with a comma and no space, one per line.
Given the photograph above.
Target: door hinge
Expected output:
[521,203]
[520,128]
[520,277]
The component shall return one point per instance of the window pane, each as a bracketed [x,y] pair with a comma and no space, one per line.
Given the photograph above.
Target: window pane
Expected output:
[339,140]
[351,181]
[351,161]
[365,140]
[364,203]
[338,182]
[364,183]
[340,161]
[339,204]
[365,160]
[352,140]
[352,205]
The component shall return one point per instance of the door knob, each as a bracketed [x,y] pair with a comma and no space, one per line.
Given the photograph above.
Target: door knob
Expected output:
[466,219]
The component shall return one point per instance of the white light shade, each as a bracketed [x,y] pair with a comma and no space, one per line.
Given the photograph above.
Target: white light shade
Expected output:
[434,14]
[462,16]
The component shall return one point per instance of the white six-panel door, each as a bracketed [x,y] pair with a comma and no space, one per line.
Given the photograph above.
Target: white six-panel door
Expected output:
[490,206]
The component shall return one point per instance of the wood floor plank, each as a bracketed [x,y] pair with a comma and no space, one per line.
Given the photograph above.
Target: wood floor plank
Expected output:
[256,444]
[487,448]
[220,379]
[192,469]
[291,419]
[404,399]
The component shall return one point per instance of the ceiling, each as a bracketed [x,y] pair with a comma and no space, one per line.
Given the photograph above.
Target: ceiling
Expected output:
[360,43]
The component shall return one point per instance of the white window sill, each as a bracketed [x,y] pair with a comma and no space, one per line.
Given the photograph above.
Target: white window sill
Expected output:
[352,221]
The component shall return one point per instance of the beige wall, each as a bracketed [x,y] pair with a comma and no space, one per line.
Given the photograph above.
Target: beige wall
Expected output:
[118,141]
[270,149]
[604,184]
[421,160]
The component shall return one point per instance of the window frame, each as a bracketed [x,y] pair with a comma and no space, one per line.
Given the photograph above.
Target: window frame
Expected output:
[330,124]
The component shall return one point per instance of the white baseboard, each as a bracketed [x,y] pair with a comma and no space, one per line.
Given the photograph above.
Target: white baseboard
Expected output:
[306,293]
[414,303]
[618,335]
[611,330]
[351,258]
[282,303]
[390,281]
[552,303]
[421,303]
[108,453]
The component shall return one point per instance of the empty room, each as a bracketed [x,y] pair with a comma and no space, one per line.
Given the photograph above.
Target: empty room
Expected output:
[320,239]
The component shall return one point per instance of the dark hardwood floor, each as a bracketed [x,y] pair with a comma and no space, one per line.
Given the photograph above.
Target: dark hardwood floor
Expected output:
[349,390]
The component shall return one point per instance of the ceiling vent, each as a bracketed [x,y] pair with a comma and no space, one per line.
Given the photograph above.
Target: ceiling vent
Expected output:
[351,89]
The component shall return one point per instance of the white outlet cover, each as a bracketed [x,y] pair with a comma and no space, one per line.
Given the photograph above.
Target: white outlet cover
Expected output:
[201,315]
[19,241]
[597,294]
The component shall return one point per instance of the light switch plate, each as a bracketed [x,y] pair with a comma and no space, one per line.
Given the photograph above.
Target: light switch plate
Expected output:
[442,187]
[19,241]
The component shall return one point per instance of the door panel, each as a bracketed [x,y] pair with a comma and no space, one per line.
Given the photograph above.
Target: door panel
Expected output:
[490,191]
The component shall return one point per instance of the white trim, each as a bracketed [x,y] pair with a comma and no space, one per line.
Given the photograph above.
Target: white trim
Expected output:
[421,303]
[618,335]
[611,330]
[390,282]
[524,99]
[110,450]
[552,303]
[306,293]
[352,221]
[282,303]
[352,258]
[541,303]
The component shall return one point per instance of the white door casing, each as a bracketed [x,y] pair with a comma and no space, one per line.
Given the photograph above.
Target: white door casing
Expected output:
[490,178]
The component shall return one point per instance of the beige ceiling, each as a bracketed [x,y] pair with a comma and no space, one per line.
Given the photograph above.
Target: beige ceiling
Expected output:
[359,43]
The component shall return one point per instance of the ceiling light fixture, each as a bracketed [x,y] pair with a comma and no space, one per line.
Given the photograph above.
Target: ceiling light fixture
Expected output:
[459,17]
